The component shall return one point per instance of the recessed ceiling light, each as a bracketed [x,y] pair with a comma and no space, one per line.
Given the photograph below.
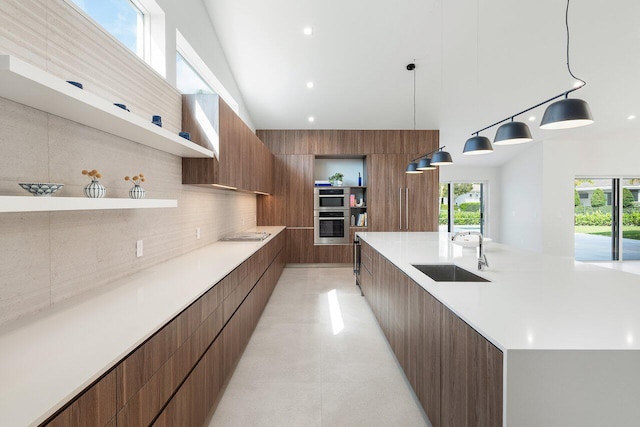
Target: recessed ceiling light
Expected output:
[307,31]
[310,85]
[532,118]
[311,119]
[631,117]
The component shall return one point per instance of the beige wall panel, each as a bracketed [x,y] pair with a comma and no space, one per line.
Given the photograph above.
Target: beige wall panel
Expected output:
[24,265]
[23,30]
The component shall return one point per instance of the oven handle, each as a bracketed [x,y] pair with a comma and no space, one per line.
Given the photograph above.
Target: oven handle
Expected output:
[331,195]
[332,219]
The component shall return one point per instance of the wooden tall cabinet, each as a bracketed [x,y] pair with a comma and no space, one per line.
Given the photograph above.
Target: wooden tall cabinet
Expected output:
[400,201]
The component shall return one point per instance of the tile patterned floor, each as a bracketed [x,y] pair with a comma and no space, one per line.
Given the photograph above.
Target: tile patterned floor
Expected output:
[297,372]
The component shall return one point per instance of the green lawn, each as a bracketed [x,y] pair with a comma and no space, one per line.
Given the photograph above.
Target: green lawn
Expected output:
[628,232]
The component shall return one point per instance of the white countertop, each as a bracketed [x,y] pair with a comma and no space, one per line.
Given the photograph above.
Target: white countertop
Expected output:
[48,358]
[533,301]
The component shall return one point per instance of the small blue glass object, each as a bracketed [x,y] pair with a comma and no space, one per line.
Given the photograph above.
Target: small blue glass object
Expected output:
[156,120]
[359,180]
[76,84]
[185,135]
[124,107]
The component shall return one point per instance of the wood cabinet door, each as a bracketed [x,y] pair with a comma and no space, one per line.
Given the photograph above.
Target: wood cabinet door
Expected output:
[471,376]
[298,190]
[96,406]
[420,199]
[385,192]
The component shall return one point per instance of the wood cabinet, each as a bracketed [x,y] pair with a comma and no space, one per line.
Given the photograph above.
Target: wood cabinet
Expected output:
[176,376]
[471,376]
[400,201]
[455,372]
[242,161]
[301,249]
[291,203]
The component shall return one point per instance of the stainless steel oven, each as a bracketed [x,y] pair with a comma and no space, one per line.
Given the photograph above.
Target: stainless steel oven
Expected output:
[331,227]
[331,198]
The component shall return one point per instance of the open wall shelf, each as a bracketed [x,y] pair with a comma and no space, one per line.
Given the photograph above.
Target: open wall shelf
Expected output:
[53,203]
[26,84]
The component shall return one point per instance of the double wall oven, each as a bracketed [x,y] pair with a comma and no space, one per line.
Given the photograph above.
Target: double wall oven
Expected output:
[331,215]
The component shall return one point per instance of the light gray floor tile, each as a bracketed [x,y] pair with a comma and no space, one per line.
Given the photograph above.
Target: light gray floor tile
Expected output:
[298,371]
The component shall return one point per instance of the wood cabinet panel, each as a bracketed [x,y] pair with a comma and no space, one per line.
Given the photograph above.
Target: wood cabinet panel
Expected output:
[96,406]
[385,192]
[471,376]
[299,191]
[455,372]
[243,162]
[301,249]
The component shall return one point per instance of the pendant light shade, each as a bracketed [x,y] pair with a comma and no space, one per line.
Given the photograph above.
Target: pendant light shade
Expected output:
[477,145]
[440,158]
[425,164]
[566,113]
[512,133]
[412,168]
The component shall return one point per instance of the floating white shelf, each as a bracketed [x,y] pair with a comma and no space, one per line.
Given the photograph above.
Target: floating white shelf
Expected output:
[26,84]
[53,203]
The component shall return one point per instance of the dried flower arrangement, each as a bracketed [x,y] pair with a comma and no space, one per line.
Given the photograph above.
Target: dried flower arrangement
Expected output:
[137,180]
[93,175]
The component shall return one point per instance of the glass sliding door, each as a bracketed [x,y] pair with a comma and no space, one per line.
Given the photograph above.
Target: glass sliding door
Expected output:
[597,219]
[630,223]
[462,206]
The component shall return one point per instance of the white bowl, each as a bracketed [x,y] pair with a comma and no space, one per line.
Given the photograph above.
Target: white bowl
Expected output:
[471,241]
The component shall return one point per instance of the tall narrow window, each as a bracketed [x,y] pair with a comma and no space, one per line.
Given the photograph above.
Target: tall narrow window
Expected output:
[123,19]
[188,80]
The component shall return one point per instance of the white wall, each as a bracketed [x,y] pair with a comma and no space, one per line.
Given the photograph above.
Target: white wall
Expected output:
[538,186]
[493,192]
[192,19]
[522,199]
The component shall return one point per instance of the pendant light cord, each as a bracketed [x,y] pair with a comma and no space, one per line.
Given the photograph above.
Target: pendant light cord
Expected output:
[414,96]
[566,21]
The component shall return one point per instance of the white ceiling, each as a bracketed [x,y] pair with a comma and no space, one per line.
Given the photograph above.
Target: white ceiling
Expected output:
[478,61]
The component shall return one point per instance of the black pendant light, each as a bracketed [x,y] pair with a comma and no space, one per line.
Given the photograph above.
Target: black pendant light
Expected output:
[566,113]
[425,164]
[413,168]
[441,158]
[477,145]
[512,133]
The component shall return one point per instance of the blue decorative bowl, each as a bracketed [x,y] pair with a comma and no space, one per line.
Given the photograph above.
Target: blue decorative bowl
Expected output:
[41,189]
[76,84]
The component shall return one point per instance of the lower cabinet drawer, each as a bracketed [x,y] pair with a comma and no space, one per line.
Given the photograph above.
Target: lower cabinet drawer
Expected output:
[95,407]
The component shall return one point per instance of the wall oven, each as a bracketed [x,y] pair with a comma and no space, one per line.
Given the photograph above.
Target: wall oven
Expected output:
[331,198]
[331,227]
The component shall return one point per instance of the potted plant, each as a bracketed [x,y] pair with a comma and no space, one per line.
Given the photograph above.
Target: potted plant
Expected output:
[336,179]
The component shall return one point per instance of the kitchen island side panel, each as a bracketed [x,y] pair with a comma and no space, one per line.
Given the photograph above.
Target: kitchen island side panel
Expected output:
[558,388]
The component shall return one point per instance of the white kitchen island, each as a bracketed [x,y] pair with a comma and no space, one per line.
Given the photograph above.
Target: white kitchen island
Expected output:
[569,332]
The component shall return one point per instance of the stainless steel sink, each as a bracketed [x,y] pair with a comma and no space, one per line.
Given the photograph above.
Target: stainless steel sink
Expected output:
[448,273]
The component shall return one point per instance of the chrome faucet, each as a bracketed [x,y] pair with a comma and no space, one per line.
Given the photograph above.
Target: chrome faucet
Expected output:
[482,258]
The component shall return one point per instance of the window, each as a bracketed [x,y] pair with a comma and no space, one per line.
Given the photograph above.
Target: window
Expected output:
[121,18]
[188,80]
[463,208]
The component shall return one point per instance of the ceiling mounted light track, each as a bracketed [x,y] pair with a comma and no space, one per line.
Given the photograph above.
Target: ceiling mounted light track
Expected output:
[564,114]
[422,163]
